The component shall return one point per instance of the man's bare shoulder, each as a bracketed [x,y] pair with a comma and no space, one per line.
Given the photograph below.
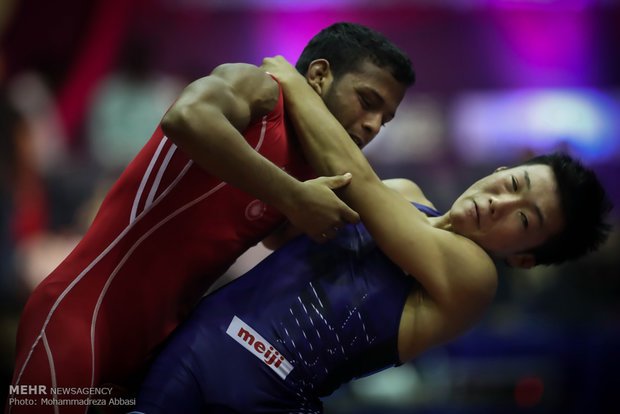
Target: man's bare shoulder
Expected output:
[251,83]
[244,75]
[408,189]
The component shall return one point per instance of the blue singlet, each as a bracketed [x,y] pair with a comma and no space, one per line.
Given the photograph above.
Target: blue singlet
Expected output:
[305,320]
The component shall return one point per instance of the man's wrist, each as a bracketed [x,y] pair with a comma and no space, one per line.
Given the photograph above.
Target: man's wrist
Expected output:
[286,195]
[293,82]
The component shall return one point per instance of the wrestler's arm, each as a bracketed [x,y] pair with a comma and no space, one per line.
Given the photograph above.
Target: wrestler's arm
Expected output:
[207,121]
[456,274]
[402,186]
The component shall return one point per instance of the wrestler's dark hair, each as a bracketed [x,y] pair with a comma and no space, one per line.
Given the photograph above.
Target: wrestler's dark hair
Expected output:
[585,206]
[347,45]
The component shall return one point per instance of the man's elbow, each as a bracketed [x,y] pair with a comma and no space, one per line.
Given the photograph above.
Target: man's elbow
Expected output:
[170,121]
[179,118]
[176,123]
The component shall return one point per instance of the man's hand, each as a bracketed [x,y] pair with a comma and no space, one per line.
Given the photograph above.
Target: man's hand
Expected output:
[317,210]
[279,67]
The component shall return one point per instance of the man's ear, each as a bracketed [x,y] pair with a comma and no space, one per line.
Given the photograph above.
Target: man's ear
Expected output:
[521,260]
[319,75]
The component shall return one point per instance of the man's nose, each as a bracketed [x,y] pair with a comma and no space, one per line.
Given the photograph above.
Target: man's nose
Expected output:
[502,204]
[372,124]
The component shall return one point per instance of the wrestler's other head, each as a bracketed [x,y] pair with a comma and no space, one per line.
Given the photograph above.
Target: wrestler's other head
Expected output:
[545,210]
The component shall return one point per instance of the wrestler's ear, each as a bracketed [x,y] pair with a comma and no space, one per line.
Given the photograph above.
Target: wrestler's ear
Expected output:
[319,76]
[521,260]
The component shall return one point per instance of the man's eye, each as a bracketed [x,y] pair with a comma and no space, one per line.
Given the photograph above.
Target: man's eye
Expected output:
[514,184]
[524,220]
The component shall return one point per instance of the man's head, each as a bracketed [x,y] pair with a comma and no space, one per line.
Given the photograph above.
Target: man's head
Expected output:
[543,211]
[360,74]
[346,45]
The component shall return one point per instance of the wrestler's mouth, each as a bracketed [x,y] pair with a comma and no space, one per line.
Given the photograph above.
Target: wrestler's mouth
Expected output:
[476,214]
[357,141]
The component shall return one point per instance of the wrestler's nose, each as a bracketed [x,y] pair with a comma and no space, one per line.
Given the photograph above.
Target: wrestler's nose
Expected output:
[372,124]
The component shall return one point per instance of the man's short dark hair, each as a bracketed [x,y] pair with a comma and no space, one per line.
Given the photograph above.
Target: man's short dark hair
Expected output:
[347,45]
[585,206]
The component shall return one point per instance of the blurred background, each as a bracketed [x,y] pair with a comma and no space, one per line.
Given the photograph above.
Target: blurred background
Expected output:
[83,85]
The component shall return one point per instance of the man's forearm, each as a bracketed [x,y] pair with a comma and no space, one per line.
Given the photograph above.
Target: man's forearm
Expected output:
[220,149]
[326,144]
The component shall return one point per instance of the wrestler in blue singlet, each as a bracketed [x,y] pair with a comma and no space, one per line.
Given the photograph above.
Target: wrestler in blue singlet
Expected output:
[305,320]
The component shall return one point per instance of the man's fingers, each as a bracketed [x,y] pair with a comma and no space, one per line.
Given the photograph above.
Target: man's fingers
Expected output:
[326,235]
[321,238]
[272,64]
[267,62]
[334,181]
[330,213]
[347,214]
[338,181]
[350,216]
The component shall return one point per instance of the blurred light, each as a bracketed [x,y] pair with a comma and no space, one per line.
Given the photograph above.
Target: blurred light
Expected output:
[394,386]
[544,4]
[288,4]
[452,4]
[500,125]
[287,35]
[546,49]
[415,134]
[529,392]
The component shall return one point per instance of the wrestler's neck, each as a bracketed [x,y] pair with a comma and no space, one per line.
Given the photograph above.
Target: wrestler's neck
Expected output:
[442,222]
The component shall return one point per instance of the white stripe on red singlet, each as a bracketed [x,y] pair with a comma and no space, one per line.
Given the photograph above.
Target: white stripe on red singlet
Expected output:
[160,174]
[145,177]
[50,359]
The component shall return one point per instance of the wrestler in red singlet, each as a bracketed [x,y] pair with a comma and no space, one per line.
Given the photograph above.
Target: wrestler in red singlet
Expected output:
[166,231]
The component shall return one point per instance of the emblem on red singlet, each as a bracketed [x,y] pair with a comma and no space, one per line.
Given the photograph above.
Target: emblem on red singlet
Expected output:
[255,210]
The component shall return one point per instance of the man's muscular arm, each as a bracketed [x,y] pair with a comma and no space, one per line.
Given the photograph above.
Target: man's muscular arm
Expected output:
[207,122]
[457,275]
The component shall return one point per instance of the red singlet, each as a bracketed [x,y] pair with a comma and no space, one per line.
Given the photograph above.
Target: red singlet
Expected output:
[165,232]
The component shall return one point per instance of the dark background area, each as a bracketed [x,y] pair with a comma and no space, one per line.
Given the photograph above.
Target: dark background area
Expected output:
[84,84]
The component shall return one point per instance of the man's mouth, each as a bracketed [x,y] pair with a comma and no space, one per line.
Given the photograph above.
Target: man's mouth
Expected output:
[357,141]
[477,213]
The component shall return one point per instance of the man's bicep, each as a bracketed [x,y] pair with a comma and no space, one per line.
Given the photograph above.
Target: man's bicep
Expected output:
[249,92]
[237,93]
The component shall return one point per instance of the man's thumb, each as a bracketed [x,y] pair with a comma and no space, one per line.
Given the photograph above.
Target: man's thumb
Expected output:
[338,181]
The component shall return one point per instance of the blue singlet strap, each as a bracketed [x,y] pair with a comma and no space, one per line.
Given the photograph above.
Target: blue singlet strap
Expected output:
[427,210]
